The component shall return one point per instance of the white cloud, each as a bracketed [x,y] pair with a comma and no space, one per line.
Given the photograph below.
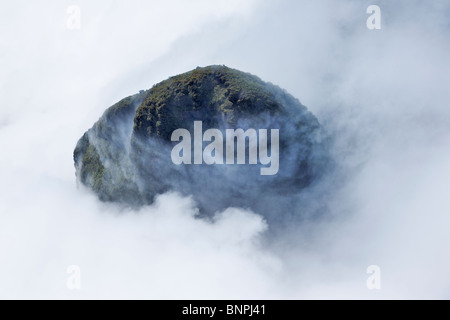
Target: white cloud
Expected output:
[383,94]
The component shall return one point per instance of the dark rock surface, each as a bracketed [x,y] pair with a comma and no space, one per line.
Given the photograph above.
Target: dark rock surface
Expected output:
[126,156]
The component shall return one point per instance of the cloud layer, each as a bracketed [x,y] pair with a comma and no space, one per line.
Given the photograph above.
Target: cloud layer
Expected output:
[381,94]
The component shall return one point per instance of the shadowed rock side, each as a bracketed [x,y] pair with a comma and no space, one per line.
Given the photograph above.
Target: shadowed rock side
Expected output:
[126,156]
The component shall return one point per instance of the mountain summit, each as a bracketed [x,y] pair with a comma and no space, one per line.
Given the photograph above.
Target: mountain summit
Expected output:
[126,156]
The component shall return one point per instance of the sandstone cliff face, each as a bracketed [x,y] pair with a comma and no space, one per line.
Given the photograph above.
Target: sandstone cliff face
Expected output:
[126,156]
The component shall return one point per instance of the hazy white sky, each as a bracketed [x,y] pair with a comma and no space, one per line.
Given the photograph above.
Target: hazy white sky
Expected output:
[383,94]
